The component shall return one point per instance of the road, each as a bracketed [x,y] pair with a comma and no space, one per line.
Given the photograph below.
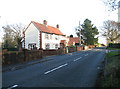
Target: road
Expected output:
[79,69]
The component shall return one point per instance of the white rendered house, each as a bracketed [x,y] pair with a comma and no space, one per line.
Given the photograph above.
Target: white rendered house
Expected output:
[119,21]
[42,36]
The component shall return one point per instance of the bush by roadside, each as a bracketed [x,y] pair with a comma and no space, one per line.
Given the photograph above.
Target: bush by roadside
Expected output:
[114,45]
[113,48]
[110,75]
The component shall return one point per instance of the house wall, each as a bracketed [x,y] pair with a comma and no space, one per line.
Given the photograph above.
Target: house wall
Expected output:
[52,40]
[118,40]
[119,12]
[32,35]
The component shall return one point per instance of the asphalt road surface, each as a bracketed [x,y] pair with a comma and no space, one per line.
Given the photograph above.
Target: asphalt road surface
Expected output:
[78,69]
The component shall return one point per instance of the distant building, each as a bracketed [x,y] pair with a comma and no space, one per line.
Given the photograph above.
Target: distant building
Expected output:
[43,36]
[119,21]
[74,41]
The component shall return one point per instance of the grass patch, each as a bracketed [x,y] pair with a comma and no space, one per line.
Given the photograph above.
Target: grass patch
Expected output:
[112,69]
[113,54]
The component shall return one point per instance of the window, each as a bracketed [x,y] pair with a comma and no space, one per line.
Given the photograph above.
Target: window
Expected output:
[50,36]
[31,46]
[47,46]
[56,46]
[56,38]
[119,26]
[46,36]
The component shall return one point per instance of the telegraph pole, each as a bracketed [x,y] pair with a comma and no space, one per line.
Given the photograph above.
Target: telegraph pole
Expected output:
[80,33]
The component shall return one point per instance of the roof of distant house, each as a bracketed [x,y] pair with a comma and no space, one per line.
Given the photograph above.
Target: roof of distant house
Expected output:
[63,41]
[47,28]
[74,39]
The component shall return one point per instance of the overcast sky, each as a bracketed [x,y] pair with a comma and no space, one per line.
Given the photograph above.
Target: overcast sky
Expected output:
[66,13]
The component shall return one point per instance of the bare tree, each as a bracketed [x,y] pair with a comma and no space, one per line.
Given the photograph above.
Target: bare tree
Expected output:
[111,4]
[13,35]
[110,31]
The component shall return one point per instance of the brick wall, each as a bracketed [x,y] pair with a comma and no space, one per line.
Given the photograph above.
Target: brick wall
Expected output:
[50,52]
[19,57]
[72,49]
[80,48]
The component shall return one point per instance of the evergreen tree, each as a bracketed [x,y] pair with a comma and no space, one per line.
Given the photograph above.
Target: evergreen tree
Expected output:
[89,32]
[71,35]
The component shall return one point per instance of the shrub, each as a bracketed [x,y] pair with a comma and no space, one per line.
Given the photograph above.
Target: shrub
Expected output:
[114,45]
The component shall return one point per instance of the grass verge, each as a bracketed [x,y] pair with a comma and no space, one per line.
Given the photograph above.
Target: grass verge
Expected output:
[111,72]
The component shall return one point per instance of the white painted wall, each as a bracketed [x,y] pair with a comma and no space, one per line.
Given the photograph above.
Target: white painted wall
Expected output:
[32,36]
[119,15]
[52,41]
[119,12]
[119,20]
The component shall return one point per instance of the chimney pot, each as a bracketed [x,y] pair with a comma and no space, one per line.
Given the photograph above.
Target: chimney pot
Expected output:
[57,25]
[45,22]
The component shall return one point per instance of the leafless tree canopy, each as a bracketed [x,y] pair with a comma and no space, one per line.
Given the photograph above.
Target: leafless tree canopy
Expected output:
[112,4]
[110,30]
[13,34]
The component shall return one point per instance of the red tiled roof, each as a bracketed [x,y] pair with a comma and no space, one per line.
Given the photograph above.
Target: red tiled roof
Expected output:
[74,39]
[48,29]
[70,42]
[63,41]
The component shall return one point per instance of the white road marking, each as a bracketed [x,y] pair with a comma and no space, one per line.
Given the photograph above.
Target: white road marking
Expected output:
[13,87]
[86,55]
[77,59]
[55,68]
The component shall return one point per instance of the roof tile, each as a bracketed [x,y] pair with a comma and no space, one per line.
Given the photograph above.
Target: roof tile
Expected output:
[48,29]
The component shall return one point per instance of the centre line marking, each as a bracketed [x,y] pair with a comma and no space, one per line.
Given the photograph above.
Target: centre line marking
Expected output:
[77,59]
[13,87]
[55,68]
[86,54]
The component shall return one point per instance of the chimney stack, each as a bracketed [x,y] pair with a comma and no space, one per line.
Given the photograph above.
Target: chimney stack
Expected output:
[57,26]
[45,22]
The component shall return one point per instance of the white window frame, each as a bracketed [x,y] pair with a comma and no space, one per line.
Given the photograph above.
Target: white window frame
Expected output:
[46,36]
[47,46]
[56,46]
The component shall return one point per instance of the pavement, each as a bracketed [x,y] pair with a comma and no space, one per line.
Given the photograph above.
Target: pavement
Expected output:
[78,69]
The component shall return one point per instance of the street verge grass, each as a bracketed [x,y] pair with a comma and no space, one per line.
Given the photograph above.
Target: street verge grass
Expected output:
[112,70]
